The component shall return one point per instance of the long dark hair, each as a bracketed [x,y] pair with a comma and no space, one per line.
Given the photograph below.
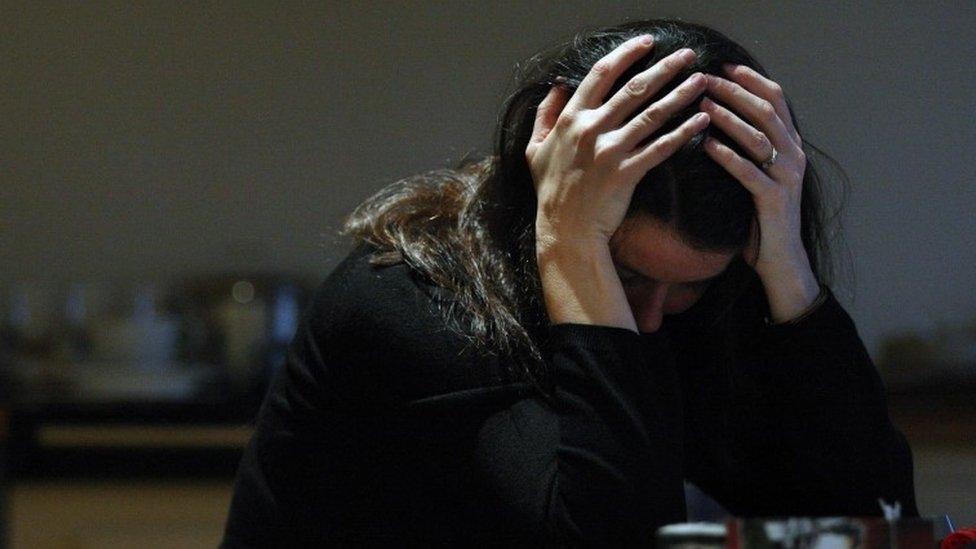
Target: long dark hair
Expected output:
[471,229]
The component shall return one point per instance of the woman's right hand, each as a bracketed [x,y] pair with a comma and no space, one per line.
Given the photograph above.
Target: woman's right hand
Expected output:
[582,154]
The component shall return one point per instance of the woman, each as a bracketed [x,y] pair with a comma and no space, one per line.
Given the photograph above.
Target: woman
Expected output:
[545,344]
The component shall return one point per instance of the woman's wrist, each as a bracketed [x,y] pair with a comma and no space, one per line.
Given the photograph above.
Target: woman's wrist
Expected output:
[581,286]
[790,294]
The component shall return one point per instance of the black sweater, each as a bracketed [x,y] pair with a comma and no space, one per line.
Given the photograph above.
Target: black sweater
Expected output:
[382,425]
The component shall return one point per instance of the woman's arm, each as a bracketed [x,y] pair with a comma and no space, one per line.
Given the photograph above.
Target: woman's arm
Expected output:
[358,441]
[602,461]
[590,466]
[820,441]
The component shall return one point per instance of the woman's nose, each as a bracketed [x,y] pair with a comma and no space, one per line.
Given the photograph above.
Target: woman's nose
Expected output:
[651,312]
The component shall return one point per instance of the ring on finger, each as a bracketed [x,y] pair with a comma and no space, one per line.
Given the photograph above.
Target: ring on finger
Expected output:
[770,161]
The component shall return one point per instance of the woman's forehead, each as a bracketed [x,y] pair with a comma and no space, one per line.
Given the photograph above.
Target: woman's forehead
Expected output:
[652,249]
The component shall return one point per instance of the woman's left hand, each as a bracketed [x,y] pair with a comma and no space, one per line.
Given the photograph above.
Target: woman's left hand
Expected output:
[781,261]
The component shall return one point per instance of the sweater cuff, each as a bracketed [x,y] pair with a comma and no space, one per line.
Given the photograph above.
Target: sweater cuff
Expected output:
[591,333]
[619,352]
[824,314]
[598,337]
[817,302]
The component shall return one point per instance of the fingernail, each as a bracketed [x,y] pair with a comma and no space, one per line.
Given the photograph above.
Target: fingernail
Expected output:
[728,67]
[647,39]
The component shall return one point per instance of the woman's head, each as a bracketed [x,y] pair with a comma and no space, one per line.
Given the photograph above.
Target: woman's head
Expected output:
[472,229]
[701,206]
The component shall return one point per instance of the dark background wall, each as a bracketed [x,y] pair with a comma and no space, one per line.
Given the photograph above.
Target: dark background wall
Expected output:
[143,141]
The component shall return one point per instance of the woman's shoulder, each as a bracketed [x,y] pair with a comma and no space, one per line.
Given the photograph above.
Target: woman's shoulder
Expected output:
[382,325]
[361,298]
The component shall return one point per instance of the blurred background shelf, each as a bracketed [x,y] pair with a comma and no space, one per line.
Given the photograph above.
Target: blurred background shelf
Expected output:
[195,437]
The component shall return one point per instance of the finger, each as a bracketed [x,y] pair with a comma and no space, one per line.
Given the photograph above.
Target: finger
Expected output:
[652,118]
[751,177]
[752,140]
[619,107]
[547,113]
[664,146]
[756,110]
[761,86]
[597,83]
